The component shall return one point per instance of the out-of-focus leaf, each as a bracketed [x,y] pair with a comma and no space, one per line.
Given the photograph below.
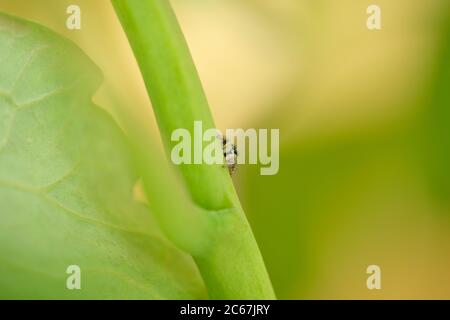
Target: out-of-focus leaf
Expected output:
[66,181]
[437,119]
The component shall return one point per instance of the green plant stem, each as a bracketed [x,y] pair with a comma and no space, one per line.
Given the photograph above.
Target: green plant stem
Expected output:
[229,259]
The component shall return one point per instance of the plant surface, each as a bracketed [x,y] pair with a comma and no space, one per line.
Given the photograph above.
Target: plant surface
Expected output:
[67,174]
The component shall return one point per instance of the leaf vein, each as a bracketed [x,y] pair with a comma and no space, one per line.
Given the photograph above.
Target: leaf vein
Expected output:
[30,59]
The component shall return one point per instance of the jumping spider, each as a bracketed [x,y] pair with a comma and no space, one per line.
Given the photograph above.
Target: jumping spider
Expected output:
[230,155]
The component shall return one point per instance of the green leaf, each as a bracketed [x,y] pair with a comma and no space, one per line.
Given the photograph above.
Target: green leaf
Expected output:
[436,118]
[66,184]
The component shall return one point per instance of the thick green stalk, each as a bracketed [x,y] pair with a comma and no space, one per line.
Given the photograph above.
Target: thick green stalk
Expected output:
[229,259]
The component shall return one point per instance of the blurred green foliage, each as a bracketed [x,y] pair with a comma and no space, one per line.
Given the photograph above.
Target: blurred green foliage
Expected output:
[66,182]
